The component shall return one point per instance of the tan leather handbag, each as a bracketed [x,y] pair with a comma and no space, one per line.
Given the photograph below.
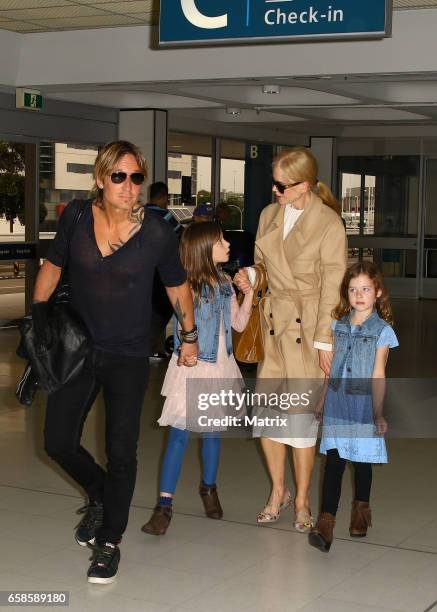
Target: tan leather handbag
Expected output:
[248,344]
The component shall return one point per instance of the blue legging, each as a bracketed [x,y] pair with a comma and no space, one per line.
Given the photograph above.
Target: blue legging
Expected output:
[174,455]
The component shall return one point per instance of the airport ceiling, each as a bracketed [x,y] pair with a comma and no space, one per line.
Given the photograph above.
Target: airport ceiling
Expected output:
[26,16]
[323,104]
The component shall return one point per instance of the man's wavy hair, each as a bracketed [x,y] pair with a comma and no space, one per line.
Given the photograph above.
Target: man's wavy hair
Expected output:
[382,305]
[108,158]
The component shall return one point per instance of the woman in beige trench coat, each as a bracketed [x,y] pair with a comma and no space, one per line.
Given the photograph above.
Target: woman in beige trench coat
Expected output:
[301,241]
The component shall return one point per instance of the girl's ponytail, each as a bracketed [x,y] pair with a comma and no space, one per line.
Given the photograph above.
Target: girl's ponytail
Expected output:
[327,196]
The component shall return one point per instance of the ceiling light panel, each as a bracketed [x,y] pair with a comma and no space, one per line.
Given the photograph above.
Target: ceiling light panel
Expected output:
[247,115]
[90,22]
[29,4]
[125,8]
[21,26]
[147,4]
[125,99]
[53,12]
[253,95]
[365,114]
[408,92]
[414,4]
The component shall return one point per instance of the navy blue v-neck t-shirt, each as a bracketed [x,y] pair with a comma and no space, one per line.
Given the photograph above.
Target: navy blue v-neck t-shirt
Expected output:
[113,294]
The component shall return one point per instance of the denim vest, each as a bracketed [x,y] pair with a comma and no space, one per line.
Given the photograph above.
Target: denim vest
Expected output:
[354,354]
[208,314]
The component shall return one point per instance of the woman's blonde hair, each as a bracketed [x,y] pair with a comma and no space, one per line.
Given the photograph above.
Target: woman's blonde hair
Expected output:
[382,305]
[195,248]
[108,158]
[300,165]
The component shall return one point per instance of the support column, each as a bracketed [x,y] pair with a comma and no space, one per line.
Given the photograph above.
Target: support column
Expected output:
[147,128]
[215,172]
[324,151]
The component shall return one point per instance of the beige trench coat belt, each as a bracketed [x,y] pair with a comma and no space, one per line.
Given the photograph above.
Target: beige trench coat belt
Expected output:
[298,297]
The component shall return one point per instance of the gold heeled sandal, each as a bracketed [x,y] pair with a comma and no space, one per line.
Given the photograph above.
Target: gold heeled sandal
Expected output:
[303,521]
[272,517]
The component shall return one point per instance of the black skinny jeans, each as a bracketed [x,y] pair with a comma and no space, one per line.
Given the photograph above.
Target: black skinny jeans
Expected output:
[124,382]
[334,469]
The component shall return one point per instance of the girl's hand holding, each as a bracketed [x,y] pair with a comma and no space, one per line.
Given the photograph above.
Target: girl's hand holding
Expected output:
[188,354]
[381,425]
[325,361]
[241,280]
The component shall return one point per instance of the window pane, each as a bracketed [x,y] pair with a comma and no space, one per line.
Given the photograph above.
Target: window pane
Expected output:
[394,263]
[189,168]
[232,168]
[12,191]
[389,188]
[350,201]
[66,173]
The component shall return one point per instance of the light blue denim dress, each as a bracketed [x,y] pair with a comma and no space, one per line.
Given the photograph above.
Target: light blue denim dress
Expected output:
[348,423]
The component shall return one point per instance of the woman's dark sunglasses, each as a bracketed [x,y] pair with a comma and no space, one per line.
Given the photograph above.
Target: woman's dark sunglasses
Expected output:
[137,178]
[281,187]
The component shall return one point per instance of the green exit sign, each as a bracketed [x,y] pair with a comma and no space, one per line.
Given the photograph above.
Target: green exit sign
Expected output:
[30,99]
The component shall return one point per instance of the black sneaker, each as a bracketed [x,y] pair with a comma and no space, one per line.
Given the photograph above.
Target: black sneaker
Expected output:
[104,564]
[91,522]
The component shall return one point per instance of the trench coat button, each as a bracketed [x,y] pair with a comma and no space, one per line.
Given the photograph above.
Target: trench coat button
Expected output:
[298,340]
[298,321]
[271,315]
[272,332]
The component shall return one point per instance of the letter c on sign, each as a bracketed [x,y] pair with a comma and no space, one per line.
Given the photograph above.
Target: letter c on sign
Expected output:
[194,16]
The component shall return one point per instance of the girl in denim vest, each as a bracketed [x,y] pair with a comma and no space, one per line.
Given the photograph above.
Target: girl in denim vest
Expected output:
[216,310]
[353,422]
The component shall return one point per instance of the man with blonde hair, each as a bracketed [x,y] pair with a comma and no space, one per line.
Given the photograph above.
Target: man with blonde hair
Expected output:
[113,251]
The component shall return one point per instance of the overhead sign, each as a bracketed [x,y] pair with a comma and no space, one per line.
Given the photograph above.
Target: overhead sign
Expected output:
[28,98]
[184,22]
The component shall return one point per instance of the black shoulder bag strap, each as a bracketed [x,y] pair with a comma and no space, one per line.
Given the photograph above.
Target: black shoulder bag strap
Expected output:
[62,292]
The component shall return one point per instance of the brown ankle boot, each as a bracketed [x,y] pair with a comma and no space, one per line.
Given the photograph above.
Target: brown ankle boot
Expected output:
[361,518]
[159,521]
[211,502]
[322,534]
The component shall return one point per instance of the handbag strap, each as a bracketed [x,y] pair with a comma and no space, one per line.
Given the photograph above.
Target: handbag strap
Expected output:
[260,288]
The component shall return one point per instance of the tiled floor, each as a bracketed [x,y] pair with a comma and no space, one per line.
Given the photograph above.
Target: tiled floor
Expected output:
[228,565]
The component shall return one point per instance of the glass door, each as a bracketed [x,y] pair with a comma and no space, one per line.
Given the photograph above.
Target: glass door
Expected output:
[13,161]
[428,287]
[380,208]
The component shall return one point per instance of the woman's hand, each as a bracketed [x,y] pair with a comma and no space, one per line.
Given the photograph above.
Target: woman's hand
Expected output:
[325,361]
[241,280]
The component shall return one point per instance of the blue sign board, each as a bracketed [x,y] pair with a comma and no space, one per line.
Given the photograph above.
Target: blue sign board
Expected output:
[229,21]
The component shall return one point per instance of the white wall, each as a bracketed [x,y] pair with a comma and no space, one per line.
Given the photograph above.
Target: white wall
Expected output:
[125,54]
[10,44]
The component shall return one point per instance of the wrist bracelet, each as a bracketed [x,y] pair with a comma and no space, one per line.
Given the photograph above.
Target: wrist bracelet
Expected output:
[190,337]
[185,341]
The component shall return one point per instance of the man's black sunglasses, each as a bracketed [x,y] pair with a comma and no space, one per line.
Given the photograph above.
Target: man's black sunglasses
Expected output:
[137,178]
[281,187]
